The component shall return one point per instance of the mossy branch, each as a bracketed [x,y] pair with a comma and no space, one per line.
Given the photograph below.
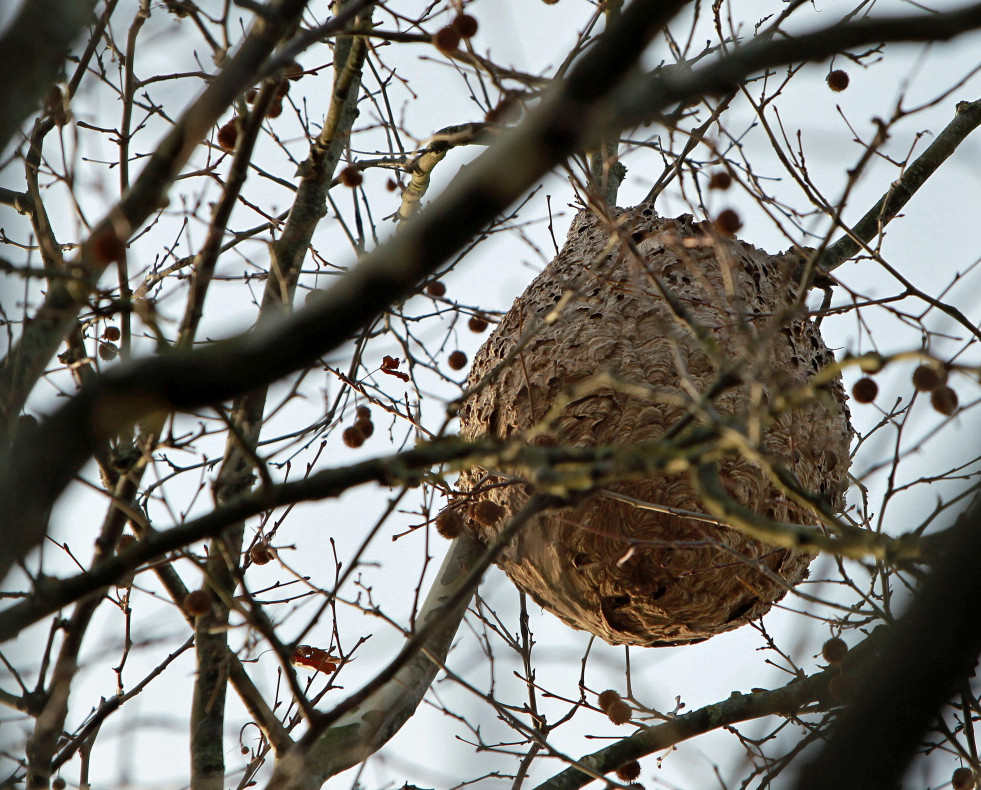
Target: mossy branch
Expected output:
[554,470]
[966,120]
[421,168]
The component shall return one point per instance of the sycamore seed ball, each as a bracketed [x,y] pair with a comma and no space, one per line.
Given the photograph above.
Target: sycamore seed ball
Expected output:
[488,513]
[607,698]
[465,25]
[619,712]
[350,176]
[834,650]
[728,222]
[720,179]
[628,772]
[227,135]
[865,390]
[838,80]
[944,400]
[353,437]
[197,603]
[367,427]
[449,524]
[447,39]
[261,554]
[927,378]
[963,779]
[106,246]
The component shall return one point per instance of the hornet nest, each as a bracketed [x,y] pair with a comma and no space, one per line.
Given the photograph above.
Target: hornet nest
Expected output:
[605,564]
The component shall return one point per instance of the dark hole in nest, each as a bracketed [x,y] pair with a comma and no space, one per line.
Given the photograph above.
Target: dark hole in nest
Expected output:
[612,607]
[741,610]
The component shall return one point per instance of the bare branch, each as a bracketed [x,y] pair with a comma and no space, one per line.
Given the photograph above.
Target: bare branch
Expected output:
[362,723]
[937,642]
[785,701]
[33,49]
[967,119]
[26,360]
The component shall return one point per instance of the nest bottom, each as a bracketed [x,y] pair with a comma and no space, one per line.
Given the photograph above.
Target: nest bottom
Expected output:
[634,576]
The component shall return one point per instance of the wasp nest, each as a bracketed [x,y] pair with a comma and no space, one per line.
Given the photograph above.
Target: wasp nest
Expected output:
[606,565]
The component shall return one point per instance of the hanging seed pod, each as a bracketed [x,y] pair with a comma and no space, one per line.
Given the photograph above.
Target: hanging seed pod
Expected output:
[838,80]
[834,650]
[465,25]
[628,772]
[864,390]
[963,779]
[449,523]
[197,603]
[607,698]
[619,712]
[447,39]
[352,436]
[944,400]
[457,360]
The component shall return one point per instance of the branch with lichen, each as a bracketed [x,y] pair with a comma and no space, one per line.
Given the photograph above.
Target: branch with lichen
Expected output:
[856,238]
[421,167]
[853,542]
[785,701]
[560,471]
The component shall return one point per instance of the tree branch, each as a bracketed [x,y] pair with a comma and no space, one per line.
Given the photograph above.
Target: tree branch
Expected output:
[934,646]
[785,701]
[26,360]
[575,116]
[553,469]
[34,48]
[361,724]
[967,119]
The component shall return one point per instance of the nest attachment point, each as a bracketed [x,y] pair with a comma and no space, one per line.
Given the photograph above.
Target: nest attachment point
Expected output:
[606,565]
